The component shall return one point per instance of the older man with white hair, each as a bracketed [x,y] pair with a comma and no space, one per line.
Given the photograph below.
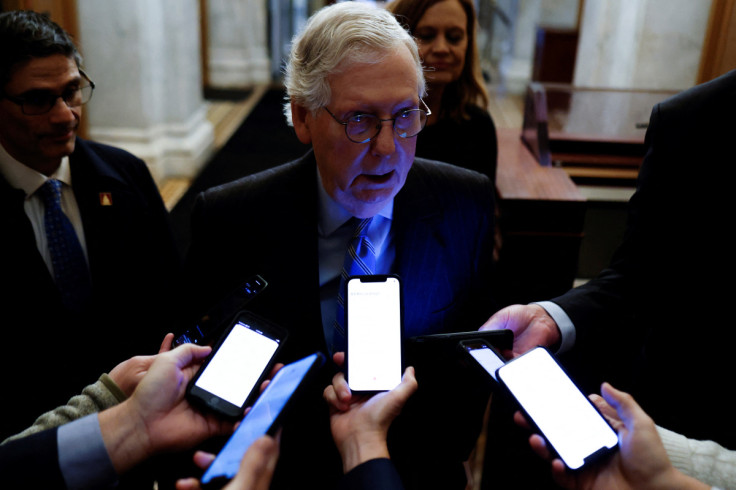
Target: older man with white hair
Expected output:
[355,84]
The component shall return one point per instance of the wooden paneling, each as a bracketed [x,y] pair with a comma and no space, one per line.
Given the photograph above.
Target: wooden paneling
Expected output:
[541,215]
[63,12]
[719,47]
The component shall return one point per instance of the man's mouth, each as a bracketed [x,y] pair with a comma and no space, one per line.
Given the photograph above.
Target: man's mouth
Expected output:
[62,135]
[379,178]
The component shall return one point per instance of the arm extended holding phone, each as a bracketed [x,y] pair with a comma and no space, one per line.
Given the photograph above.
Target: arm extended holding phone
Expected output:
[567,420]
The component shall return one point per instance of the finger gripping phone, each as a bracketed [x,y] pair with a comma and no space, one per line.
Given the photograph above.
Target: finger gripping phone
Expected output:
[265,417]
[572,426]
[374,330]
[231,376]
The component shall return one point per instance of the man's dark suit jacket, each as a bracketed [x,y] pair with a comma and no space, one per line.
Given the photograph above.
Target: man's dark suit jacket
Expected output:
[31,462]
[51,354]
[443,230]
[668,291]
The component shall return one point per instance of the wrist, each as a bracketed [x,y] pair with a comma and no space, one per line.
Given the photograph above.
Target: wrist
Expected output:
[357,450]
[125,437]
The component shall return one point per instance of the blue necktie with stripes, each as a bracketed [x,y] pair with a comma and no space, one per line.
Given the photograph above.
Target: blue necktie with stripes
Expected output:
[67,257]
[360,259]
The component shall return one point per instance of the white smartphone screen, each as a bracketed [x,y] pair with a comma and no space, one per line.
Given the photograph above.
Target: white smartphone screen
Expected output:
[374,334]
[560,410]
[234,370]
[259,420]
[488,359]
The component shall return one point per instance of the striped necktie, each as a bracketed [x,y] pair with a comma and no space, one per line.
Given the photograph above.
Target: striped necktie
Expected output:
[67,258]
[360,259]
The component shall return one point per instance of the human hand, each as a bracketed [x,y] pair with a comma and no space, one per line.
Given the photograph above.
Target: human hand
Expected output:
[129,373]
[360,424]
[256,468]
[640,463]
[531,324]
[157,417]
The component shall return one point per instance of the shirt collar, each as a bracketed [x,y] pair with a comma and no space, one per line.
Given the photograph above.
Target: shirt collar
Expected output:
[25,178]
[332,216]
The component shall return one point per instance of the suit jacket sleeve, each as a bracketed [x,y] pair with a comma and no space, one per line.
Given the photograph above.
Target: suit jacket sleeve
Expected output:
[373,474]
[31,462]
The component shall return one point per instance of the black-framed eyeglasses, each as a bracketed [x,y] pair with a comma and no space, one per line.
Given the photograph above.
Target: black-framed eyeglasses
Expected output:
[37,102]
[362,128]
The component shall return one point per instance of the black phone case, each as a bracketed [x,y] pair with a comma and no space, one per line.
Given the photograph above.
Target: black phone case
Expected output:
[426,350]
[208,401]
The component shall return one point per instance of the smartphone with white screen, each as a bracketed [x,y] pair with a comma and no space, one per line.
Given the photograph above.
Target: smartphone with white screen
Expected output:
[572,426]
[374,331]
[265,417]
[483,355]
[230,377]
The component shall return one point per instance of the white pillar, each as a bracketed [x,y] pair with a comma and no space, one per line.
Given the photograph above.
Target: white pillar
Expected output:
[643,44]
[144,56]
[237,43]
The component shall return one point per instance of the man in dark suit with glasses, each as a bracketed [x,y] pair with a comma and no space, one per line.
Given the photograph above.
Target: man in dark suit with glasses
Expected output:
[355,87]
[87,255]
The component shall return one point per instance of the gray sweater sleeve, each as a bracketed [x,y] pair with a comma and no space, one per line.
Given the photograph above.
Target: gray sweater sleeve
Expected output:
[94,398]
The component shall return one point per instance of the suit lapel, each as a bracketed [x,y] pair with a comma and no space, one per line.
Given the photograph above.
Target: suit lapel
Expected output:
[104,204]
[421,248]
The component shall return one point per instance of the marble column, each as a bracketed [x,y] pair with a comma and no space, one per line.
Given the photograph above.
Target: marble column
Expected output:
[643,44]
[237,43]
[144,56]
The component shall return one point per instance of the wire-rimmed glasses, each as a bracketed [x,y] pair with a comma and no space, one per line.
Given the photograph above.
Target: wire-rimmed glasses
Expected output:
[362,128]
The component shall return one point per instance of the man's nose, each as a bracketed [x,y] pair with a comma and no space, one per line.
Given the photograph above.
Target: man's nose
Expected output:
[61,112]
[384,143]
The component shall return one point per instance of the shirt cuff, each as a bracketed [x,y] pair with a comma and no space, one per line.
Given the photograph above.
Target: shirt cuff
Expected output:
[567,329]
[83,458]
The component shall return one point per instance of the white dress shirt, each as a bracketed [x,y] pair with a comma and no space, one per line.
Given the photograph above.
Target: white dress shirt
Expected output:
[25,178]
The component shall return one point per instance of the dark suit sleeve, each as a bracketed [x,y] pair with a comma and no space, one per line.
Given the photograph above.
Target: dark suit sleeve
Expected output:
[31,462]
[374,474]
[607,300]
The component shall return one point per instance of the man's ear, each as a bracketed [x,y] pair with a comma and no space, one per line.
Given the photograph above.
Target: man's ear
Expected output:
[301,118]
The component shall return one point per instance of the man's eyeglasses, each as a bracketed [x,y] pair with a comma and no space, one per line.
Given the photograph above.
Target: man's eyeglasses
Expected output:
[37,102]
[362,128]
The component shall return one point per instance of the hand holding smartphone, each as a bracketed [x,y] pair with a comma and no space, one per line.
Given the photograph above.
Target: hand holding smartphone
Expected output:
[230,377]
[265,417]
[374,330]
[569,422]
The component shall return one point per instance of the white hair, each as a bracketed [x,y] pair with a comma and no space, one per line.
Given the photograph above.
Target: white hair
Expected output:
[334,38]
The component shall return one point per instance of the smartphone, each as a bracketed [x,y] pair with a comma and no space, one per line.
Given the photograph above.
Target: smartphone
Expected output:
[206,329]
[265,417]
[422,348]
[231,375]
[572,426]
[374,329]
[484,356]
